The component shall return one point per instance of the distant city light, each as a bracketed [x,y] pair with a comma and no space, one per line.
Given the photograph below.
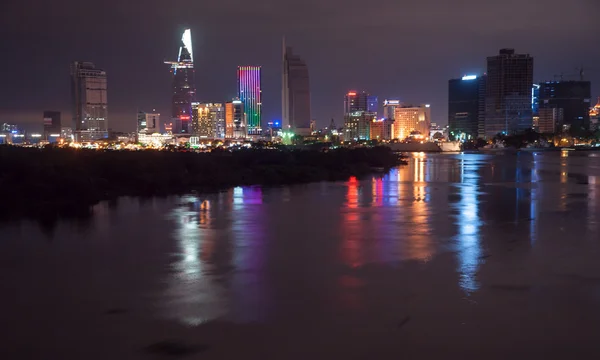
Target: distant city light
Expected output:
[469,77]
[352,93]
[427,105]
[391,102]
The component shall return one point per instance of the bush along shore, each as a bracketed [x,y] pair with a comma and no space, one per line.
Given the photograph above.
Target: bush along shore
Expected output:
[54,181]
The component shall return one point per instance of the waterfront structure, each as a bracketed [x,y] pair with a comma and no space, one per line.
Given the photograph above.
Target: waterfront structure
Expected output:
[295,94]
[184,88]
[89,100]
[409,119]
[52,125]
[148,123]
[357,125]
[355,101]
[250,94]
[508,107]
[389,108]
[466,107]
[381,129]
[235,120]
[572,97]
[208,120]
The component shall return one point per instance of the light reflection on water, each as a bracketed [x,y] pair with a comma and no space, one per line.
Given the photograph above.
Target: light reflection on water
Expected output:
[436,203]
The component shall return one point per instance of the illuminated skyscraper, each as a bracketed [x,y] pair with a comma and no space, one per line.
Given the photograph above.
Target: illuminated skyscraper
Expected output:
[295,94]
[184,88]
[389,108]
[250,94]
[90,108]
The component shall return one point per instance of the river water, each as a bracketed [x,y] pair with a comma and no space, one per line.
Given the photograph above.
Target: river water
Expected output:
[478,256]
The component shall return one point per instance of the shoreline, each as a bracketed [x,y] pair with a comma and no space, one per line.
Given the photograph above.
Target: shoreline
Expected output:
[52,183]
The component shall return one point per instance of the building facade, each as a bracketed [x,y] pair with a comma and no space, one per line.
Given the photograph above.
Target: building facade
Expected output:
[466,106]
[357,125]
[389,108]
[250,94]
[409,119]
[572,97]
[547,119]
[508,107]
[355,101]
[208,120]
[235,120]
[295,94]
[148,123]
[372,104]
[52,124]
[89,99]
[382,129]
[184,88]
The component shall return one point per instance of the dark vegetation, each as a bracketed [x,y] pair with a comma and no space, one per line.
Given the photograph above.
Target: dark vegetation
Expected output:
[53,181]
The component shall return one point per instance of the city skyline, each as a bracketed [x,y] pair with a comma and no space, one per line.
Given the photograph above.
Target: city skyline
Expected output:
[336,67]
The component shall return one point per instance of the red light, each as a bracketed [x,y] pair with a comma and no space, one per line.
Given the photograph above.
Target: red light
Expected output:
[352,94]
[184,117]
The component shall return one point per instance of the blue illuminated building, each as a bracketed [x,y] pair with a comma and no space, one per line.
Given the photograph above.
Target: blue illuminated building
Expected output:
[466,107]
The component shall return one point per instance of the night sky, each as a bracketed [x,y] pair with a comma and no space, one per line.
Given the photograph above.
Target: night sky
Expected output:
[391,48]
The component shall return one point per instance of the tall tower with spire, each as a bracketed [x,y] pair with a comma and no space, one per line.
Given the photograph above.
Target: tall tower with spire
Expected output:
[184,88]
[295,94]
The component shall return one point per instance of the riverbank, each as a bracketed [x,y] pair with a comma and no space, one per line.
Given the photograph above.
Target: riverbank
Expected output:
[44,182]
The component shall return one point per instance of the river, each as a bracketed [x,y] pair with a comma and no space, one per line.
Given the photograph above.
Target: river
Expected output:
[478,256]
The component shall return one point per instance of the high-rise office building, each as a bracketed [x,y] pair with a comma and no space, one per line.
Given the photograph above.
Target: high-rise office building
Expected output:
[372,104]
[217,111]
[184,88]
[295,94]
[466,106]
[250,94]
[235,120]
[357,115]
[357,125]
[410,118]
[389,108]
[90,106]
[208,119]
[52,124]
[508,107]
[573,97]
[148,123]
[356,101]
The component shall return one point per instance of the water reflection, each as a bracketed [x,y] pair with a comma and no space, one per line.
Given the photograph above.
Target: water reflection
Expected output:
[226,241]
[469,223]
[196,292]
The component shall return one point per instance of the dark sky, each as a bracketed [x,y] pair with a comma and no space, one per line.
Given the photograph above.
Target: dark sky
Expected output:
[392,48]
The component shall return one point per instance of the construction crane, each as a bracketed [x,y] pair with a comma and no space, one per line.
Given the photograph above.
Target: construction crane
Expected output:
[578,74]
